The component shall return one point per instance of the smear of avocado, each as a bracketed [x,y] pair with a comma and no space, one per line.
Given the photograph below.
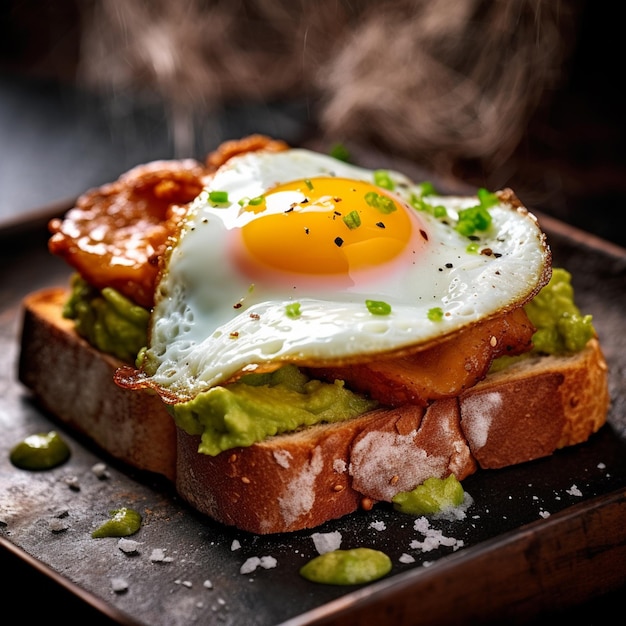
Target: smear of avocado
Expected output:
[262,405]
[41,451]
[433,496]
[107,320]
[121,523]
[347,567]
[561,328]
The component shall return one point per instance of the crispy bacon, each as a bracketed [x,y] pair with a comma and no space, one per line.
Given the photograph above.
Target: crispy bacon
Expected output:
[440,371]
[116,234]
[252,143]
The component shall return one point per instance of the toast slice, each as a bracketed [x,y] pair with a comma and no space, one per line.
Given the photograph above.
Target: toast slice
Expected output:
[300,480]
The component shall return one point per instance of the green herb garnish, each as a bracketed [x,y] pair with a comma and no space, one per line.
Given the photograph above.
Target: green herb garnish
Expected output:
[293,310]
[218,197]
[352,220]
[378,307]
[435,314]
[380,202]
[382,179]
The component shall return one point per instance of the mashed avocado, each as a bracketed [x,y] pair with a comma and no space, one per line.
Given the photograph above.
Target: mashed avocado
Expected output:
[347,567]
[433,496]
[561,328]
[107,320]
[262,405]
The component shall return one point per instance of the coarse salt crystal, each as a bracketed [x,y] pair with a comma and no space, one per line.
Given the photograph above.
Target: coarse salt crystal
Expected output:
[57,525]
[158,556]
[326,542]
[574,491]
[128,546]
[119,585]
[100,470]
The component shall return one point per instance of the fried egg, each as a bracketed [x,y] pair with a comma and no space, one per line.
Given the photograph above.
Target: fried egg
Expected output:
[297,257]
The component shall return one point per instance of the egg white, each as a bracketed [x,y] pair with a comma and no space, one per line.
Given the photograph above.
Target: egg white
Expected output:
[211,323]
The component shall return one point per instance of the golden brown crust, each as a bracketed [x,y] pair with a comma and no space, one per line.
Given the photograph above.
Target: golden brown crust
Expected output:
[74,382]
[300,480]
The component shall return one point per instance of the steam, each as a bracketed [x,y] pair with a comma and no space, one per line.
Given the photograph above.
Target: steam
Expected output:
[434,80]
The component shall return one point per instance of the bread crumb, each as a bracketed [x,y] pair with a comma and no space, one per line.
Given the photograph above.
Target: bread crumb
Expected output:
[326,542]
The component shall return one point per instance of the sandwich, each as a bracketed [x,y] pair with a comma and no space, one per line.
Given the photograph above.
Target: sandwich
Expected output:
[288,337]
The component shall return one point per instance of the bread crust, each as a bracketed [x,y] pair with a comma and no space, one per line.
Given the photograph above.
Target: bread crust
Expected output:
[300,480]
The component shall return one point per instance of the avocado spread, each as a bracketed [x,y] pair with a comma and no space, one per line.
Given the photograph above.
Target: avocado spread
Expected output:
[560,326]
[262,405]
[107,320]
[433,496]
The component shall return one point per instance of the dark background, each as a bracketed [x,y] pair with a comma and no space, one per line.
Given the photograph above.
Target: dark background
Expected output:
[57,140]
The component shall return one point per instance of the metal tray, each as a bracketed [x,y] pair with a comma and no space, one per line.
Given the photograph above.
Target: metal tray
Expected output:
[543,535]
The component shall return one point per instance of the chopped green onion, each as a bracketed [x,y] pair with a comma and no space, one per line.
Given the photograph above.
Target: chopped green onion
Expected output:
[382,203]
[308,183]
[382,179]
[293,310]
[435,314]
[473,219]
[378,307]
[426,189]
[340,152]
[219,197]
[472,248]
[486,198]
[352,220]
[256,201]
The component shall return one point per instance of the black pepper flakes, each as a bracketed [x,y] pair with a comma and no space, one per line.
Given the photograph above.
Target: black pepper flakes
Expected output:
[338,242]
[380,224]
[424,234]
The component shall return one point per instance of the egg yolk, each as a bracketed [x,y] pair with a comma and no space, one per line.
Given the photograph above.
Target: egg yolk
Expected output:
[326,226]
